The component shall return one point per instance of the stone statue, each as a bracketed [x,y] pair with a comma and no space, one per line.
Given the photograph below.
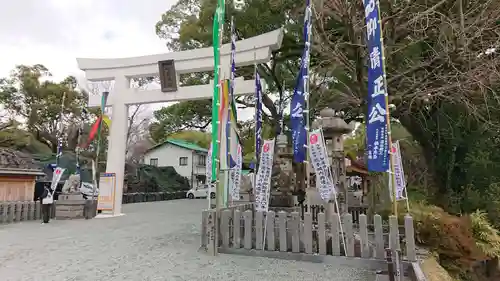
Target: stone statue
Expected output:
[72,184]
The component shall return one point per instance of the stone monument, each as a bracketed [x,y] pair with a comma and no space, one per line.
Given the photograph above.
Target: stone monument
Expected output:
[70,203]
[283,179]
[334,128]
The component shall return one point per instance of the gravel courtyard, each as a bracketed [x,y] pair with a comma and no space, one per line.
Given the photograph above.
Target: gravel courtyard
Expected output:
[153,241]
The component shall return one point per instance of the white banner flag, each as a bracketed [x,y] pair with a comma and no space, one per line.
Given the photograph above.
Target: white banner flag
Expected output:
[263,181]
[208,171]
[399,177]
[236,176]
[56,177]
[321,165]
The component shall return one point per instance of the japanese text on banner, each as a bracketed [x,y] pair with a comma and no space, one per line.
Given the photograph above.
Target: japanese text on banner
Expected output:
[376,123]
[236,176]
[208,171]
[263,180]
[298,104]
[399,178]
[320,163]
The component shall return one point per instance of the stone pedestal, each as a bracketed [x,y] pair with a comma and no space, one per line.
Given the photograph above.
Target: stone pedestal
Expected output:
[70,206]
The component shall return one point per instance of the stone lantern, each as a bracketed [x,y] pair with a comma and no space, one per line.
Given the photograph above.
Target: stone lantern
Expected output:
[334,128]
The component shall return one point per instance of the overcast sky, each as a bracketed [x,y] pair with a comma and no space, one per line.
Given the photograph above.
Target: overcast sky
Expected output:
[56,32]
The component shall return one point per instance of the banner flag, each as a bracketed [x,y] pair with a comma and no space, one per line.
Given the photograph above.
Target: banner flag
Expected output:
[258,116]
[399,177]
[236,176]
[377,117]
[298,105]
[263,180]
[216,33]
[321,165]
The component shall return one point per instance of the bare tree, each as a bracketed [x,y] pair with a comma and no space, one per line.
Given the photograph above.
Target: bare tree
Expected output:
[138,123]
[137,133]
[435,51]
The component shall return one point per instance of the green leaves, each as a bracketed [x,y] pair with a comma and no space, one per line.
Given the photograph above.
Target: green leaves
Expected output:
[29,95]
[181,116]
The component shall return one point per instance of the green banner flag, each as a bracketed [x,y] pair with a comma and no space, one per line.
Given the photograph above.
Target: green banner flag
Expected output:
[217,25]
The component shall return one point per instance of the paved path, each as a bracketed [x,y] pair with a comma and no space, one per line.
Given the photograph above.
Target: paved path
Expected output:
[153,241]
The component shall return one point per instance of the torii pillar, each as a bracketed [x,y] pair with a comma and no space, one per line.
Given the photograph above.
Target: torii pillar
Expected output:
[256,49]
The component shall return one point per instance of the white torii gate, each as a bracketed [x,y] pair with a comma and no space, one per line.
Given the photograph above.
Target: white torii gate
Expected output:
[248,51]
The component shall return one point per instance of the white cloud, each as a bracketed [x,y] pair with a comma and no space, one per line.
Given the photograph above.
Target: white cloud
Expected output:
[55,32]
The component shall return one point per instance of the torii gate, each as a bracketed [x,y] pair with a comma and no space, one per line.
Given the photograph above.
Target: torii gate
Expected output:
[248,51]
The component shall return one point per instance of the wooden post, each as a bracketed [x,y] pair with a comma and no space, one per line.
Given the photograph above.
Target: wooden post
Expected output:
[282,217]
[363,233]
[410,239]
[212,243]
[349,233]
[321,234]
[270,217]
[308,243]
[294,226]
[336,234]
[225,230]
[237,229]
[379,237]
[248,229]
[259,230]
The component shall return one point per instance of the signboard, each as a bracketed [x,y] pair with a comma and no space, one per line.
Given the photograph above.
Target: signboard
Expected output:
[168,76]
[263,180]
[106,198]
[321,165]
[56,177]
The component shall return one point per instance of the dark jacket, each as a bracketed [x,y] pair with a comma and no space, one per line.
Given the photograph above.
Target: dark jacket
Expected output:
[45,193]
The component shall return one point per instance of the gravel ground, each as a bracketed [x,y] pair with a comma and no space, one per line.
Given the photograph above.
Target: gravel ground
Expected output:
[153,241]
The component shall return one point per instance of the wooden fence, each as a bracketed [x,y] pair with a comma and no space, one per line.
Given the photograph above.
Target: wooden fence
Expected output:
[11,212]
[355,211]
[17,211]
[287,232]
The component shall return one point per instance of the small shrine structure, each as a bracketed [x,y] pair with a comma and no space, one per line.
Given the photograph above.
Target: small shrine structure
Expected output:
[17,176]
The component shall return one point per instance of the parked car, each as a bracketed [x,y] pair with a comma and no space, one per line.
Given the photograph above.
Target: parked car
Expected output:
[87,188]
[200,192]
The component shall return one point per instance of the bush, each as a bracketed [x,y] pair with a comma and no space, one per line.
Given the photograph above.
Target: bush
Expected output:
[450,237]
[485,235]
[146,178]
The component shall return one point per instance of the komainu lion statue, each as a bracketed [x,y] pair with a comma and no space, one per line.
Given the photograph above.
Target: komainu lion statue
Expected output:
[72,184]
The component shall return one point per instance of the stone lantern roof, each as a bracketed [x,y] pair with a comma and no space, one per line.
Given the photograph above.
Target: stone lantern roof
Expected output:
[16,163]
[332,123]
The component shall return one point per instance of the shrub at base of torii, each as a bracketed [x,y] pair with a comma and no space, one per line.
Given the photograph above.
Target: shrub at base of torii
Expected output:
[146,178]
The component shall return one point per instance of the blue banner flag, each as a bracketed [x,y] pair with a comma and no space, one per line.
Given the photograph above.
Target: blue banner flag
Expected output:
[298,102]
[298,124]
[377,117]
[258,116]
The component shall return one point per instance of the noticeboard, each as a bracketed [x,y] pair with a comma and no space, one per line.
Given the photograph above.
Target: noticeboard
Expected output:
[106,198]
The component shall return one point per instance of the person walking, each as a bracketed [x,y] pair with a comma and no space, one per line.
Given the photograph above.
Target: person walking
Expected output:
[46,201]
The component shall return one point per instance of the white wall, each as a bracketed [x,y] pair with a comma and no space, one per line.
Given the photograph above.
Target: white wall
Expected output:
[168,155]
